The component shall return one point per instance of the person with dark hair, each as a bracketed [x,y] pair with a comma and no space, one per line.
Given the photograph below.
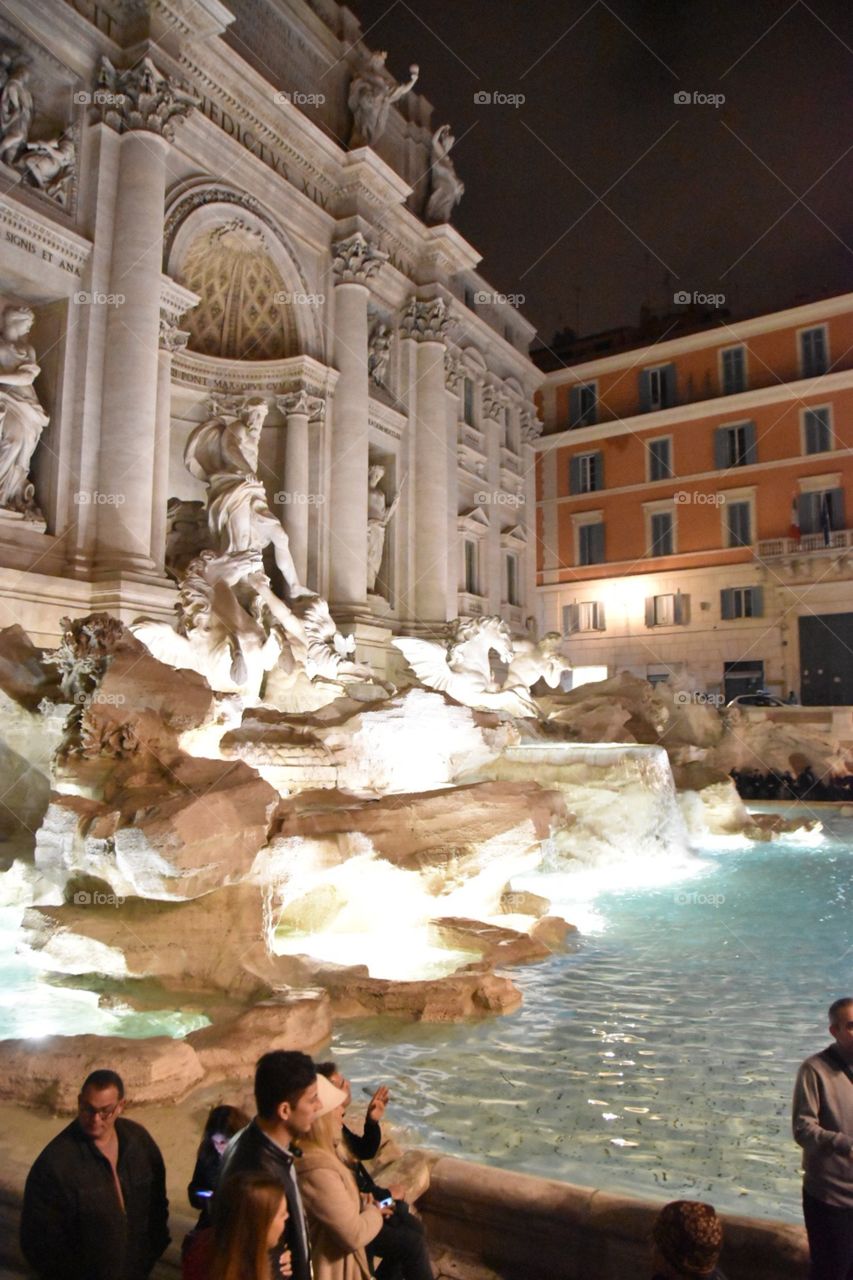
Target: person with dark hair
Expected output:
[95,1204]
[687,1238]
[221,1125]
[401,1243]
[287,1102]
[245,1243]
[823,1127]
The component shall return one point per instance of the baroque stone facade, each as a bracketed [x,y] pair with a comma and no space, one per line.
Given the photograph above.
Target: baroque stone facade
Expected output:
[239,212]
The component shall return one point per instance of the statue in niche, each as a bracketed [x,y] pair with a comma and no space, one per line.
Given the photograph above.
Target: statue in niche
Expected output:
[379,353]
[532,661]
[371,97]
[461,668]
[223,452]
[379,515]
[22,418]
[49,166]
[16,113]
[447,190]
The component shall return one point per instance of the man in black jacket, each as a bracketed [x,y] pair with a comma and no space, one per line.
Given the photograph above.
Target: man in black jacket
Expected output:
[287,1101]
[95,1204]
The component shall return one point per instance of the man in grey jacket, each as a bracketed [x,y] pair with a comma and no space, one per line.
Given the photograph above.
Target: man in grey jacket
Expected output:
[823,1127]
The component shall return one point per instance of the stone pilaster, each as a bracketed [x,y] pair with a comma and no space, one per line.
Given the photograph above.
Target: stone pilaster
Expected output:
[299,409]
[355,261]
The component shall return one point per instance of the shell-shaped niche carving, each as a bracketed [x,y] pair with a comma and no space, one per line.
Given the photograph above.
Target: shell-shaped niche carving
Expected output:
[244,313]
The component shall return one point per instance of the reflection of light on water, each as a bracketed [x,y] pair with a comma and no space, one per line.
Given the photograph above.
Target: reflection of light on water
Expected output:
[407,955]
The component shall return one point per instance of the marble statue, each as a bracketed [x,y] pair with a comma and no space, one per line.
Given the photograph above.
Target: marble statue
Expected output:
[49,166]
[379,352]
[22,418]
[16,113]
[460,667]
[532,661]
[223,452]
[446,188]
[379,515]
[371,97]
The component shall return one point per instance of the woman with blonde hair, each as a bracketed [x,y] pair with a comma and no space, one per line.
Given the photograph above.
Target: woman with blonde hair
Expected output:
[244,1243]
[340,1221]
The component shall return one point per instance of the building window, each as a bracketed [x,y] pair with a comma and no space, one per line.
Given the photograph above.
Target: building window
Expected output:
[668,611]
[738,524]
[735,446]
[512,596]
[472,576]
[817,430]
[821,511]
[813,351]
[583,405]
[734,370]
[657,387]
[468,401]
[741,602]
[586,472]
[661,534]
[586,616]
[660,458]
[591,543]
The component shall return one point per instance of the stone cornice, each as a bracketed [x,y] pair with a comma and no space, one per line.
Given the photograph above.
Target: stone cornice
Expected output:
[39,234]
[175,300]
[385,419]
[269,377]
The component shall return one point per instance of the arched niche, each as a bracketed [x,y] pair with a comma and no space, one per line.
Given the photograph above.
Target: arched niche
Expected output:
[256,300]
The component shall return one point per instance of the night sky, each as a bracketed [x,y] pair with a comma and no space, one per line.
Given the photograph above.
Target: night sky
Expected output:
[600,192]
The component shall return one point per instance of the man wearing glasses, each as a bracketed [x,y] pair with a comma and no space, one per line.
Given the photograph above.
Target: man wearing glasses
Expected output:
[95,1204]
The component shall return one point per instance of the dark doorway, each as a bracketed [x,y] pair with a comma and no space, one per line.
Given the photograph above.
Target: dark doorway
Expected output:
[826,660]
[742,677]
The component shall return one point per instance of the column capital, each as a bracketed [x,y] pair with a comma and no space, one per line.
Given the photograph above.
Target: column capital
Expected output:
[172,338]
[141,98]
[355,260]
[425,321]
[494,401]
[301,402]
[230,404]
[531,425]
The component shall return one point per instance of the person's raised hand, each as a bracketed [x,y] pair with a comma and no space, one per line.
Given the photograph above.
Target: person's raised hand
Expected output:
[377,1104]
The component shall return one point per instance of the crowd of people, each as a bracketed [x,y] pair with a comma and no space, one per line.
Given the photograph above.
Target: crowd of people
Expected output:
[288,1194]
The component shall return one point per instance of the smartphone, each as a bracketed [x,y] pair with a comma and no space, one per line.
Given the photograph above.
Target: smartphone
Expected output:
[204,1195]
[387,1203]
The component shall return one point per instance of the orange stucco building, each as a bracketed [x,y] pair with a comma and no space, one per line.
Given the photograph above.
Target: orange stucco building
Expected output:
[692,505]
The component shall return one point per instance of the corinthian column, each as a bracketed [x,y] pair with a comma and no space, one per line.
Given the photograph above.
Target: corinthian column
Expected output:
[355,261]
[426,323]
[299,408]
[143,106]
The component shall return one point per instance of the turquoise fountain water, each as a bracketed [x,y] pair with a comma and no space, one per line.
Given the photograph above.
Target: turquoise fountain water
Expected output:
[659,1059]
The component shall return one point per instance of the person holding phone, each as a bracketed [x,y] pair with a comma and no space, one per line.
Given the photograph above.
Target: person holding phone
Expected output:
[341,1221]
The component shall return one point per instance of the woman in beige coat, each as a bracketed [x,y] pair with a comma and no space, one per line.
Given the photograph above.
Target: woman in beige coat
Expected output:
[340,1221]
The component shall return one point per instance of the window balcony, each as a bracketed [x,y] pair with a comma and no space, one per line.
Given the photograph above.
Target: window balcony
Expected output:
[809,544]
